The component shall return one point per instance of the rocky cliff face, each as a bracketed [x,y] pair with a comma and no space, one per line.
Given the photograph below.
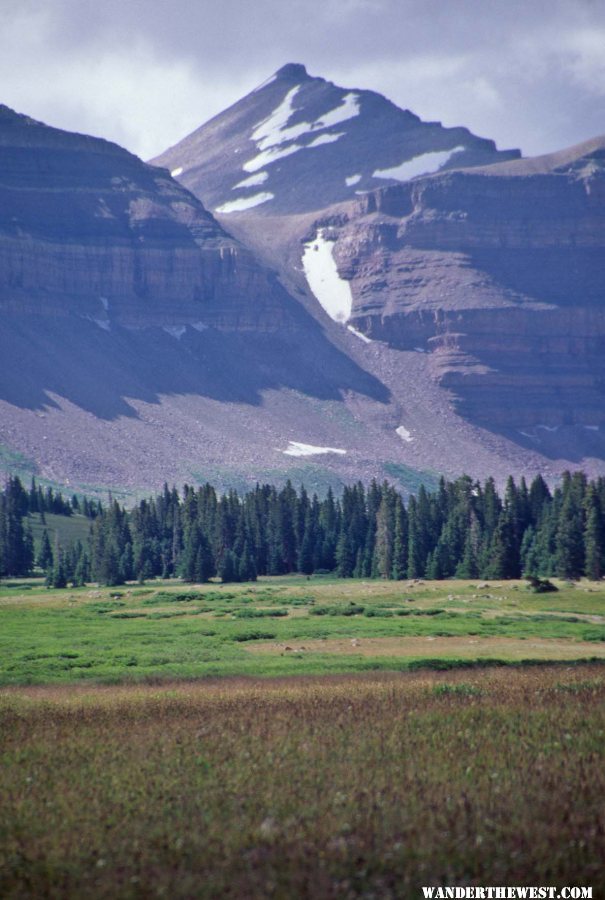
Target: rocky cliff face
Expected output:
[88,229]
[500,275]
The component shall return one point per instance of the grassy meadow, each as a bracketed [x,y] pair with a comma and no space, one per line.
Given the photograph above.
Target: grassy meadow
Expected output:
[340,787]
[287,626]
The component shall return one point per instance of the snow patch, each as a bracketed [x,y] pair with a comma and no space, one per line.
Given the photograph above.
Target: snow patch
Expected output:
[404,434]
[273,132]
[548,427]
[360,335]
[419,349]
[252,181]
[592,427]
[105,303]
[243,203]
[270,156]
[348,109]
[199,326]
[352,179]
[102,323]
[295,448]
[175,331]
[321,272]
[325,139]
[177,171]
[425,164]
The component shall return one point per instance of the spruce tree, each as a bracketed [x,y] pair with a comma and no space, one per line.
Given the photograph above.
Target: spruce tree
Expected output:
[594,543]
[385,536]
[400,543]
[57,576]
[229,570]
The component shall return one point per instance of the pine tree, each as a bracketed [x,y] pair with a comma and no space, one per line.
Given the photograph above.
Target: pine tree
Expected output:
[345,556]
[82,569]
[416,557]
[594,543]
[45,554]
[305,556]
[529,555]
[385,536]
[468,566]
[247,567]
[569,537]
[400,543]
[503,560]
[197,560]
[229,570]
[57,577]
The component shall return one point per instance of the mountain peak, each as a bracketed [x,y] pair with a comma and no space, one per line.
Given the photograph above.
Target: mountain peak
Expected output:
[292,72]
[303,143]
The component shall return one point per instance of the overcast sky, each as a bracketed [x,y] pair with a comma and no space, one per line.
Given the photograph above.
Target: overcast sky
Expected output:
[527,73]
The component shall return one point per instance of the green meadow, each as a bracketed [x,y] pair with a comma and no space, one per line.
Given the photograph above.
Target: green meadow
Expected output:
[288,626]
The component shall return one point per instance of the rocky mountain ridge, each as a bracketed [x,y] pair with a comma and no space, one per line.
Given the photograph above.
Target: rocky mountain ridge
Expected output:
[500,275]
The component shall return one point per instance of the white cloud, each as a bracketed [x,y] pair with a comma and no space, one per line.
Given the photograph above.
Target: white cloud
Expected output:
[582,53]
[144,78]
[133,95]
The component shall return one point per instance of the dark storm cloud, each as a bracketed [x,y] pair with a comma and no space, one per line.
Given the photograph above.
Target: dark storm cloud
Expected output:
[145,72]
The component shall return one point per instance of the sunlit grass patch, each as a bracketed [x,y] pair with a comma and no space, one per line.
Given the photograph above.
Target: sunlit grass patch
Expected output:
[201,630]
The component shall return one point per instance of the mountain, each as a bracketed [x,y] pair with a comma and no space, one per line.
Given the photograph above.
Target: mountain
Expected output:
[431,242]
[299,143]
[355,324]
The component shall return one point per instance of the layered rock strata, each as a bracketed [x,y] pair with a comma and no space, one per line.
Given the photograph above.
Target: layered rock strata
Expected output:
[500,275]
[86,228]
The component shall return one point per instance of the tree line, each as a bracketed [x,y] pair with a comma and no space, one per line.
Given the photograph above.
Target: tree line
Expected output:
[462,529]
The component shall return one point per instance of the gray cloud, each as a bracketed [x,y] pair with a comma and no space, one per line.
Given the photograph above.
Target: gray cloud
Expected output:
[146,72]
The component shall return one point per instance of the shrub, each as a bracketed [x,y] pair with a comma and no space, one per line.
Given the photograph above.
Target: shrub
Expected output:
[259,613]
[351,610]
[540,585]
[254,636]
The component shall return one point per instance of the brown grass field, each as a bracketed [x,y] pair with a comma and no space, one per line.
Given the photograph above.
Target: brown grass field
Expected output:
[444,648]
[319,787]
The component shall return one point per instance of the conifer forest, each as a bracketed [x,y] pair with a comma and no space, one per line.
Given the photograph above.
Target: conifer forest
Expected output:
[463,529]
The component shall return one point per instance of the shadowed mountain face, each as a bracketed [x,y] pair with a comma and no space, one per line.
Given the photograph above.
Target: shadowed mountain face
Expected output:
[88,229]
[120,293]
